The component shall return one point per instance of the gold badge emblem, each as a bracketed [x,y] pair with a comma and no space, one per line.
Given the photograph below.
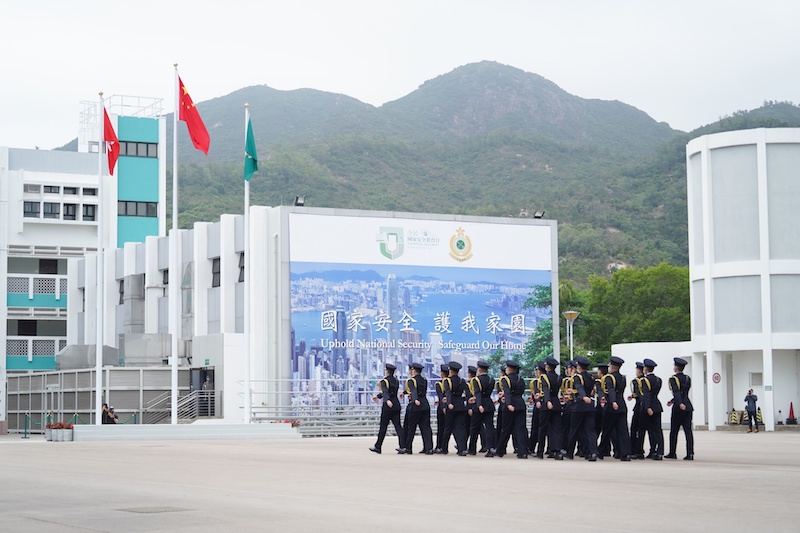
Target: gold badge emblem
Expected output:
[460,246]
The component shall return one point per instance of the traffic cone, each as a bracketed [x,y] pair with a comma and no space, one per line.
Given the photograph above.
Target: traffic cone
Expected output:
[791,420]
[745,418]
[759,418]
[734,418]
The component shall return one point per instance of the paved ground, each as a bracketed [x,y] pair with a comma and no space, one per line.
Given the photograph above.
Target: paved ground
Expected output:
[738,482]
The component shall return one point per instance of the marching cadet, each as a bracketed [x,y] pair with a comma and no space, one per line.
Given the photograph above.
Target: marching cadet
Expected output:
[390,411]
[682,408]
[637,422]
[482,421]
[499,404]
[550,415]
[514,417]
[567,398]
[455,415]
[444,371]
[602,370]
[651,411]
[470,397]
[615,413]
[535,399]
[418,410]
[581,428]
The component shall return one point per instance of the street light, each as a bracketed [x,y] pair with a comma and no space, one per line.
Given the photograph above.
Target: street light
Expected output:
[570,316]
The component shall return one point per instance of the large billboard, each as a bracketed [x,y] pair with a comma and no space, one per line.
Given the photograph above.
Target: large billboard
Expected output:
[370,290]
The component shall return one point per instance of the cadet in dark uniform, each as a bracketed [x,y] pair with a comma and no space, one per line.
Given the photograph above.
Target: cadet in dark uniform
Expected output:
[418,410]
[444,371]
[567,399]
[470,399]
[615,413]
[482,421]
[550,414]
[682,408]
[581,427]
[456,421]
[498,431]
[514,417]
[651,410]
[390,410]
[637,422]
[535,399]
[600,399]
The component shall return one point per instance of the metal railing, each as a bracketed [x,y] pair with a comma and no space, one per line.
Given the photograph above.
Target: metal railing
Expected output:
[196,404]
[324,408]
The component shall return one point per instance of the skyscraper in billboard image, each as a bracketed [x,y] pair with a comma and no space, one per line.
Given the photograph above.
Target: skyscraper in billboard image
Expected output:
[369,291]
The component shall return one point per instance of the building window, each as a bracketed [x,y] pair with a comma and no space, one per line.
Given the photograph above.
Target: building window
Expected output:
[137,209]
[48,266]
[121,291]
[134,149]
[165,276]
[31,187]
[52,210]
[70,211]
[26,328]
[89,191]
[30,209]
[89,212]
[215,277]
[756,379]
[52,189]
[70,190]
[241,266]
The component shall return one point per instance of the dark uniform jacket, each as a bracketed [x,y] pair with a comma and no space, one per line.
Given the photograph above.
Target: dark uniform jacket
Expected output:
[614,385]
[417,389]
[483,386]
[551,383]
[513,387]
[389,387]
[454,391]
[651,386]
[680,384]
[583,383]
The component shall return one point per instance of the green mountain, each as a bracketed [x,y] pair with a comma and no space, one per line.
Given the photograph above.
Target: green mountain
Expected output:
[484,139]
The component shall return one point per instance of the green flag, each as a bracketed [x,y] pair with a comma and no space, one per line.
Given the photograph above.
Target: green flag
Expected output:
[250,156]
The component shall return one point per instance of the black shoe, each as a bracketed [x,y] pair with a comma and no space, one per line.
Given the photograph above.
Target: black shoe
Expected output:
[558,457]
[472,453]
[402,451]
[656,458]
[522,456]
[670,456]
[570,457]
[625,458]
[428,452]
[689,458]
[462,453]
[540,456]
[483,450]
[490,453]
[592,457]
[374,449]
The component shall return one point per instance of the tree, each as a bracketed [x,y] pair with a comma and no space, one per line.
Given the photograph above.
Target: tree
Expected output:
[638,305]
[540,343]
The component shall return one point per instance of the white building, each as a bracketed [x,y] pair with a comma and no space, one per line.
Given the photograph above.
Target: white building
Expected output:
[744,264]
[51,205]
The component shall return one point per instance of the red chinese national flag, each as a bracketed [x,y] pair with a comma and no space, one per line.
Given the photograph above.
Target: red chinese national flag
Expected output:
[189,114]
[112,143]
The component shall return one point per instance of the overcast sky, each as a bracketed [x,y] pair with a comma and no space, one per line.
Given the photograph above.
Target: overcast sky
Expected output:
[684,62]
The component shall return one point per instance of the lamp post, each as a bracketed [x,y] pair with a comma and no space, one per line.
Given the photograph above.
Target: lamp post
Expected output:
[570,316]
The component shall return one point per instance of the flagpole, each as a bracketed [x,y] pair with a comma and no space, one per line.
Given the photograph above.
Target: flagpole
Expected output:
[100,214]
[248,400]
[174,266]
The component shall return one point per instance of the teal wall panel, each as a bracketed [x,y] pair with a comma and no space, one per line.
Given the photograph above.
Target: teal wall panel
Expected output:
[16,299]
[40,362]
[135,229]
[138,179]
[143,130]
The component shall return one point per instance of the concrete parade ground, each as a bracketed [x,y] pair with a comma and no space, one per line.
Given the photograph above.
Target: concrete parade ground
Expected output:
[738,482]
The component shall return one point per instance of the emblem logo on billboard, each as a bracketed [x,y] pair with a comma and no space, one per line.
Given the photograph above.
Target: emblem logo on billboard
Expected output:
[460,246]
[391,242]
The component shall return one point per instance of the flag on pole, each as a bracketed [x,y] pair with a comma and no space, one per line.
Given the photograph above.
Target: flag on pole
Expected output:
[250,156]
[112,142]
[190,115]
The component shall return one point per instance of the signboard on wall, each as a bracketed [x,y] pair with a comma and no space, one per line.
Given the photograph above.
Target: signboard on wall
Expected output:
[369,290]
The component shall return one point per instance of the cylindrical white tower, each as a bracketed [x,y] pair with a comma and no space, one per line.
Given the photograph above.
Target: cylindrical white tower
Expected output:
[744,261]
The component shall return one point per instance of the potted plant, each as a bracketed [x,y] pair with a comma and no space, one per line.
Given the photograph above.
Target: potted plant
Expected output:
[58,432]
[68,434]
[48,431]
